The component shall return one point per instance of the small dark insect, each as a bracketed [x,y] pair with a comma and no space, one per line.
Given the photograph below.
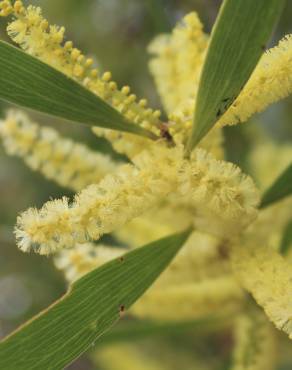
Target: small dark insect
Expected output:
[263,47]
[164,133]
[121,259]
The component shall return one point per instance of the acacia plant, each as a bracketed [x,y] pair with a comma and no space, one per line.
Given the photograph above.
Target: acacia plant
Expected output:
[214,231]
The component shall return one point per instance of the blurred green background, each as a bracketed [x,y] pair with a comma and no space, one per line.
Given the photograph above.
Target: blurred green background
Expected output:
[117,33]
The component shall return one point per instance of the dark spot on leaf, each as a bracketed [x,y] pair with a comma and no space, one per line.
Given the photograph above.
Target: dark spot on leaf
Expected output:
[122,309]
[219,113]
[122,259]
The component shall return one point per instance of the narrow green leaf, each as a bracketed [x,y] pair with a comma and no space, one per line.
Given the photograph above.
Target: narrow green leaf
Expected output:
[280,189]
[238,39]
[286,242]
[30,83]
[93,305]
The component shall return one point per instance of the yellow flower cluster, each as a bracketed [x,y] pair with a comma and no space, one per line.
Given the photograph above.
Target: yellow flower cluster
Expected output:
[267,275]
[225,199]
[254,343]
[32,32]
[221,197]
[270,82]
[69,164]
[160,191]
[177,61]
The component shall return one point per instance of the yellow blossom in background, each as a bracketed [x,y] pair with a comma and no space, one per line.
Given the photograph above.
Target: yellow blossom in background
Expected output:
[69,164]
[254,343]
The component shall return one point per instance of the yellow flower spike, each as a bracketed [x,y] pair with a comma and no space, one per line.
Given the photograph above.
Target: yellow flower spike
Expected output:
[267,276]
[69,164]
[102,208]
[177,61]
[220,196]
[49,227]
[270,82]
[255,343]
[190,300]
[83,258]
[30,30]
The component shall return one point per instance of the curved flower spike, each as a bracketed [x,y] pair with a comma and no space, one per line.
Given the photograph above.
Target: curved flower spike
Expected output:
[217,190]
[177,61]
[34,34]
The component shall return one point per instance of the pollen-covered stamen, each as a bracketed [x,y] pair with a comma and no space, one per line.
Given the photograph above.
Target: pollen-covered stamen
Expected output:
[224,198]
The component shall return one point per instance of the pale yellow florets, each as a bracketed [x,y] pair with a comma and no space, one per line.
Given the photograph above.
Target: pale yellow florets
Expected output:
[102,208]
[68,163]
[124,143]
[180,126]
[255,343]
[219,195]
[83,258]
[177,61]
[267,275]
[270,82]
[224,198]
[32,32]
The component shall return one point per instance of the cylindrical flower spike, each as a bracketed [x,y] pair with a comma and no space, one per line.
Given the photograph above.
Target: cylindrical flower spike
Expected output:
[270,82]
[101,208]
[177,61]
[32,32]
[267,276]
[68,163]
[218,191]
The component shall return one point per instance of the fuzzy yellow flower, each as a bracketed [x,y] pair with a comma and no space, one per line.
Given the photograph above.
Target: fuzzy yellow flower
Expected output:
[234,246]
